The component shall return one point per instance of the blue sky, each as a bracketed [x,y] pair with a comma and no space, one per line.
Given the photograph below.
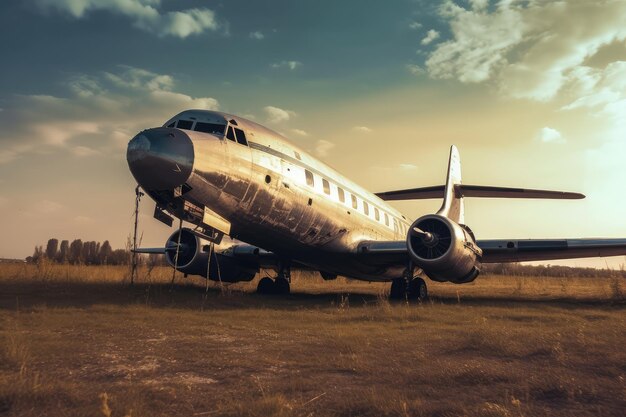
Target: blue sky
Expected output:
[532,92]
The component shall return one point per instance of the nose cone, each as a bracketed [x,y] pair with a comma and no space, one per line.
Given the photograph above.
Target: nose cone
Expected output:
[160,158]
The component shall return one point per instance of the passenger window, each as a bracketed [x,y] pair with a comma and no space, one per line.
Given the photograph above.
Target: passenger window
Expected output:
[342,195]
[366,208]
[241,137]
[395,224]
[309,178]
[184,124]
[376,213]
[297,154]
[230,134]
[326,186]
[386,219]
[355,204]
[209,128]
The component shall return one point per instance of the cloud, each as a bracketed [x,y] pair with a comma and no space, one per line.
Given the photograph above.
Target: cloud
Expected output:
[431,35]
[82,151]
[96,116]
[257,35]
[299,132]
[144,13]
[415,25]
[530,50]
[83,220]
[322,147]
[408,167]
[362,129]
[47,206]
[415,69]
[550,135]
[292,65]
[278,115]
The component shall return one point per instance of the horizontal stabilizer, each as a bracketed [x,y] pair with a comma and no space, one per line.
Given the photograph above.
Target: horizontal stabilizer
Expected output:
[464,190]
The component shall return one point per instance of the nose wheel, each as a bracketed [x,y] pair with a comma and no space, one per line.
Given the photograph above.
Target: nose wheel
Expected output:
[416,289]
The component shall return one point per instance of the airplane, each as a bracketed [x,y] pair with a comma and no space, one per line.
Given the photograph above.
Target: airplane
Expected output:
[228,176]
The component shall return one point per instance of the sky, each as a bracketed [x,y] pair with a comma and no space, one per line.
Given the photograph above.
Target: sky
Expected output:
[533,93]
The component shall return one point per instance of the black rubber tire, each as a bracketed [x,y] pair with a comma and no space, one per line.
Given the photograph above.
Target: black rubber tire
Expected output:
[398,289]
[281,286]
[418,290]
[266,286]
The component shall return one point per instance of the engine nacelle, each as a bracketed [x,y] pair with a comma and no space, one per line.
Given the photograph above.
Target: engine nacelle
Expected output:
[193,259]
[444,249]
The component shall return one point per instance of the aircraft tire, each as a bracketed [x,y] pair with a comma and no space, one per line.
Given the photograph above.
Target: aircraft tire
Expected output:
[281,286]
[398,289]
[265,286]
[417,290]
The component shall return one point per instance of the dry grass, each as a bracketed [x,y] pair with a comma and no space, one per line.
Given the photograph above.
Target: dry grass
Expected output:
[77,341]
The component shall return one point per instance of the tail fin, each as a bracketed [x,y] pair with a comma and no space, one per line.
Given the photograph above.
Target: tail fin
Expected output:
[452,206]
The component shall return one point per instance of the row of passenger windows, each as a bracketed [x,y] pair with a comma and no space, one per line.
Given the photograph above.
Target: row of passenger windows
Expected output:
[341,194]
[233,133]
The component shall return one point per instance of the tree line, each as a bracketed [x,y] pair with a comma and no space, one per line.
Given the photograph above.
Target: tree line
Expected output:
[79,252]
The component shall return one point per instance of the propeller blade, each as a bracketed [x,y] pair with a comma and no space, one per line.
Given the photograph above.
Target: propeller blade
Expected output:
[425,236]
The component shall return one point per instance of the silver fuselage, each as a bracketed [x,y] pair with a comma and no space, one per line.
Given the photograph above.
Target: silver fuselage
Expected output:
[280,198]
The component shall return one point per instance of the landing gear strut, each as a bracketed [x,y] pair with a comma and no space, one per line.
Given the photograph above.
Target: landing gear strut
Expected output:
[279,285]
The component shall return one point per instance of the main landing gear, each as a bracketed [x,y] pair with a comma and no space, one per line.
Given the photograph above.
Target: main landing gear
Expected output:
[279,285]
[415,289]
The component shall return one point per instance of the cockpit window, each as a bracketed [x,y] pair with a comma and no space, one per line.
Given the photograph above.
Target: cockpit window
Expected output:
[209,128]
[230,134]
[241,137]
[184,124]
[172,124]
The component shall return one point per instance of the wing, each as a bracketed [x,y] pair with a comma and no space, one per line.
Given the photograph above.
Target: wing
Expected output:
[510,250]
[548,249]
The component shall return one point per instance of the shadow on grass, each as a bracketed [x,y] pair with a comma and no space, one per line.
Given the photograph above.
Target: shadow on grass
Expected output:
[24,295]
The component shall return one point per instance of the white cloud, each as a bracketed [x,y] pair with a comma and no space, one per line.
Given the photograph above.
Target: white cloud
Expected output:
[415,69]
[82,151]
[408,167]
[278,115]
[292,65]
[362,129]
[431,35]
[529,49]
[83,220]
[98,114]
[257,35]
[322,147]
[415,25]
[144,13]
[550,135]
[299,132]
[47,206]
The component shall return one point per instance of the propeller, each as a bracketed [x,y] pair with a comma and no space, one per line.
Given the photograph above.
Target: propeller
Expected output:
[433,239]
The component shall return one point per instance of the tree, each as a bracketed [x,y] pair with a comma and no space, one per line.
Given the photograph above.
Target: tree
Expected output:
[38,253]
[76,251]
[52,248]
[104,255]
[63,252]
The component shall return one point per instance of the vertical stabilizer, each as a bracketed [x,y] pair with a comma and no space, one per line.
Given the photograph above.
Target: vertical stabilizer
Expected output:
[452,206]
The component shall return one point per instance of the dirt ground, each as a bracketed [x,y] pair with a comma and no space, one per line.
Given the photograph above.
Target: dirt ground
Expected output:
[79,342]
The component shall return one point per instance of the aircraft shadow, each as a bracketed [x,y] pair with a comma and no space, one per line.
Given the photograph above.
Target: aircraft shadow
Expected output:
[32,295]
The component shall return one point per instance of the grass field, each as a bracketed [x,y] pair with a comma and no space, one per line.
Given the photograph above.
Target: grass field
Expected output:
[77,341]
